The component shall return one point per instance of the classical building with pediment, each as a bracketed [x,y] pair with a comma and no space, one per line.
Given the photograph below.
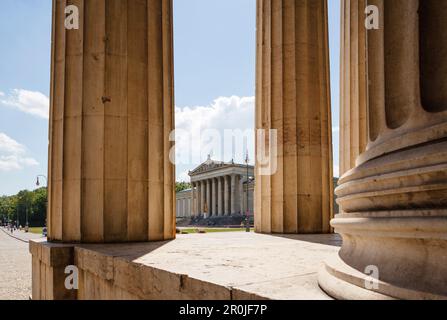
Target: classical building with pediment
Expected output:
[218,189]
[111,183]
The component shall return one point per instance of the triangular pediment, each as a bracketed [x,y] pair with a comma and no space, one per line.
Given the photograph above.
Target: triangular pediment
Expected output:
[208,165]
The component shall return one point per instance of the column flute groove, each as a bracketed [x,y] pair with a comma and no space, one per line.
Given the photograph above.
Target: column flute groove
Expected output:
[293,61]
[111,98]
[393,201]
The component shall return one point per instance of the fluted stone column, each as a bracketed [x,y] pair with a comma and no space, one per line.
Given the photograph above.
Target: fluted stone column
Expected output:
[111,114]
[202,197]
[194,199]
[189,207]
[237,194]
[199,198]
[213,196]
[353,118]
[219,197]
[394,201]
[182,208]
[208,198]
[226,196]
[233,194]
[293,97]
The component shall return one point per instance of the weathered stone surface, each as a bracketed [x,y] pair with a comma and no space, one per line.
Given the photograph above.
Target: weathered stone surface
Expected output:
[293,97]
[394,200]
[353,91]
[111,114]
[49,261]
[222,266]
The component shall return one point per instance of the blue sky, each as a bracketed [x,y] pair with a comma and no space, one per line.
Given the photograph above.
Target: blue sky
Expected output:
[214,69]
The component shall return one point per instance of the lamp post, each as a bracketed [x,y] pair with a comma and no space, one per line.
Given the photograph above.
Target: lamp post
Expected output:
[247,217]
[38,181]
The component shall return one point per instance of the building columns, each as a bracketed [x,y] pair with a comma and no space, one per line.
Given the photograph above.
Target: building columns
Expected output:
[233,194]
[208,199]
[202,197]
[241,195]
[111,114]
[226,196]
[213,197]
[293,97]
[219,196]
[193,199]
[393,201]
[353,91]
[199,199]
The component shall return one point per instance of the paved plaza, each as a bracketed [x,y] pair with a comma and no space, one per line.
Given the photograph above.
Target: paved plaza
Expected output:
[15,265]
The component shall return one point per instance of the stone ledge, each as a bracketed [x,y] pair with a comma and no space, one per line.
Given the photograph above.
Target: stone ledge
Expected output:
[221,266]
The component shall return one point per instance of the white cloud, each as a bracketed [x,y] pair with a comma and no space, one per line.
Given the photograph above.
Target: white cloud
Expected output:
[336,170]
[31,102]
[9,145]
[13,155]
[183,177]
[225,113]
[197,125]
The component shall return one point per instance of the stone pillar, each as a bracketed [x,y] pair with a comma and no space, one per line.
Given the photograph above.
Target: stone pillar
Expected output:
[199,198]
[208,198]
[226,196]
[237,194]
[353,119]
[183,208]
[213,196]
[293,97]
[233,194]
[194,199]
[394,201]
[219,197]
[188,207]
[191,209]
[241,195]
[111,114]
[202,196]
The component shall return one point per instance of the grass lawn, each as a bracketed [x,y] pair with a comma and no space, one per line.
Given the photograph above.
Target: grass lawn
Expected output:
[36,230]
[214,230]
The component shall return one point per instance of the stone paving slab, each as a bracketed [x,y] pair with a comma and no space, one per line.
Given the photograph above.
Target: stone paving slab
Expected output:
[15,265]
[250,265]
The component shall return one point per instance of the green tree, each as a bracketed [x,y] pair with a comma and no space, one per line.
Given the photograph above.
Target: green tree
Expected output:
[181,186]
[26,203]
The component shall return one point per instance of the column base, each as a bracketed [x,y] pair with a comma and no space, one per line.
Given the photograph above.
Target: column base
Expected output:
[409,250]
[394,223]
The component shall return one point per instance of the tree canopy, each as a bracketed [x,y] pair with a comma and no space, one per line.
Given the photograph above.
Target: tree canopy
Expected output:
[31,204]
[181,186]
